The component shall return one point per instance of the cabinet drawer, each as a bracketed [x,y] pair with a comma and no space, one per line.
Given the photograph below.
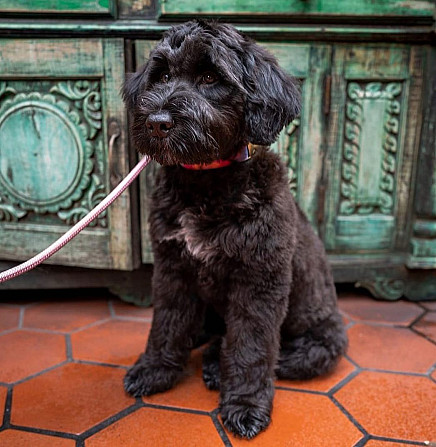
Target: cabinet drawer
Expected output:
[62,148]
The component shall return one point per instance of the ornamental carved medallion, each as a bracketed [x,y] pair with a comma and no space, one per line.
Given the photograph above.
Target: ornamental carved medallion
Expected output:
[52,163]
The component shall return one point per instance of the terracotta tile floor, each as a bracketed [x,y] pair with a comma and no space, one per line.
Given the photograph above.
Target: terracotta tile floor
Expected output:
[63,356]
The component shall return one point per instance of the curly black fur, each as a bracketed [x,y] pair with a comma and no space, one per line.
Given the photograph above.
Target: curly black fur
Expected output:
[230,241]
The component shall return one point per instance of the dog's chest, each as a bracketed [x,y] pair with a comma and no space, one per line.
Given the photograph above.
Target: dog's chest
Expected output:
[199,233]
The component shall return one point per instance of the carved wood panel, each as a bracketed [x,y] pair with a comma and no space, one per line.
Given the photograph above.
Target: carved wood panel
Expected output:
[370,154]
[57,99]
[370,146]
[52,166]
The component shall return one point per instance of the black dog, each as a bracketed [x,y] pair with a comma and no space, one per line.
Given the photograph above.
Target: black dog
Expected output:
[231,246]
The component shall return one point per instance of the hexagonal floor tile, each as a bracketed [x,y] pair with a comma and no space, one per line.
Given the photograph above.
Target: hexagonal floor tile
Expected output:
[16,438]
[392,405]
[362,308]
[304,420]
[65,316]
[70,399]
[116,342]
[9,317]
[158,427]
[392,349]
[323,383]
[26,352]
[123,309]
[427,325]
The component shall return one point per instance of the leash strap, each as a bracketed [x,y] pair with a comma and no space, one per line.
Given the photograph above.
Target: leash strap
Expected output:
[74,231]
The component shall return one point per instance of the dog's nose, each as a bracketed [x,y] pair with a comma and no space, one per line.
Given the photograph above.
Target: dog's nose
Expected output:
[159,124]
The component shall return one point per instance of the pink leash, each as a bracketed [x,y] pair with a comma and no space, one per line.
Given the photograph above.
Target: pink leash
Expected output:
[74,231]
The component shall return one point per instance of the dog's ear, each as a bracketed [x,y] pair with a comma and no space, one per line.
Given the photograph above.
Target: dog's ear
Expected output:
[132,86]
[273,97]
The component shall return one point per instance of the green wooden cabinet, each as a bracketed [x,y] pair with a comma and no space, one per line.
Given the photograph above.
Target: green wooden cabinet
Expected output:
[361,157]
[62,147]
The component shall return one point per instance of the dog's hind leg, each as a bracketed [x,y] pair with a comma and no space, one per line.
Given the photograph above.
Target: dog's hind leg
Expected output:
[211,365]
[312,336]
[313,353]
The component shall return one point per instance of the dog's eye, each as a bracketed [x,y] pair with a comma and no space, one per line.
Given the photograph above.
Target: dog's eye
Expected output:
[208,78]
[165,77]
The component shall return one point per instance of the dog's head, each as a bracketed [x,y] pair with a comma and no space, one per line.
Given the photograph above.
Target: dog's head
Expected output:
[205,91]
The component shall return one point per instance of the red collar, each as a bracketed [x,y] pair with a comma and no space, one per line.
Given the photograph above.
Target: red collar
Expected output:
[243,155]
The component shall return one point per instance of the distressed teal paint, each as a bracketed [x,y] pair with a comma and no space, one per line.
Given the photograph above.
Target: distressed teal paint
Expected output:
[313,7]
[34,137]
[354,233]
[370,155]
[73,6]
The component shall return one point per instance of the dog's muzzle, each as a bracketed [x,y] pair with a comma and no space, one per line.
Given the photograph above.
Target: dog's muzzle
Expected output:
[159,124]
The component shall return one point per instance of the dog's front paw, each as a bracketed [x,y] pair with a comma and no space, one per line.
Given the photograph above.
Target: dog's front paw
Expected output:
[143,379]
[245,421]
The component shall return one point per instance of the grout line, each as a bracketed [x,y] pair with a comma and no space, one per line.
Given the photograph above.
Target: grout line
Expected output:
[395,325]
[419,303]
[7,410]
[220,428]
[40,373]
[349,325]
[401,373]
[348,415]
[21,317]
[90,325]
[417,332]
[134,319]
[343,313]
[176,409]
[361,442]
[41,331]
[111,308]
[43,431]
[400,441]
[93,363]
[419,317]
[109,421]
[343,382]
[301,390]
[430,371]
[351,361]
[9,331]
[68,348]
